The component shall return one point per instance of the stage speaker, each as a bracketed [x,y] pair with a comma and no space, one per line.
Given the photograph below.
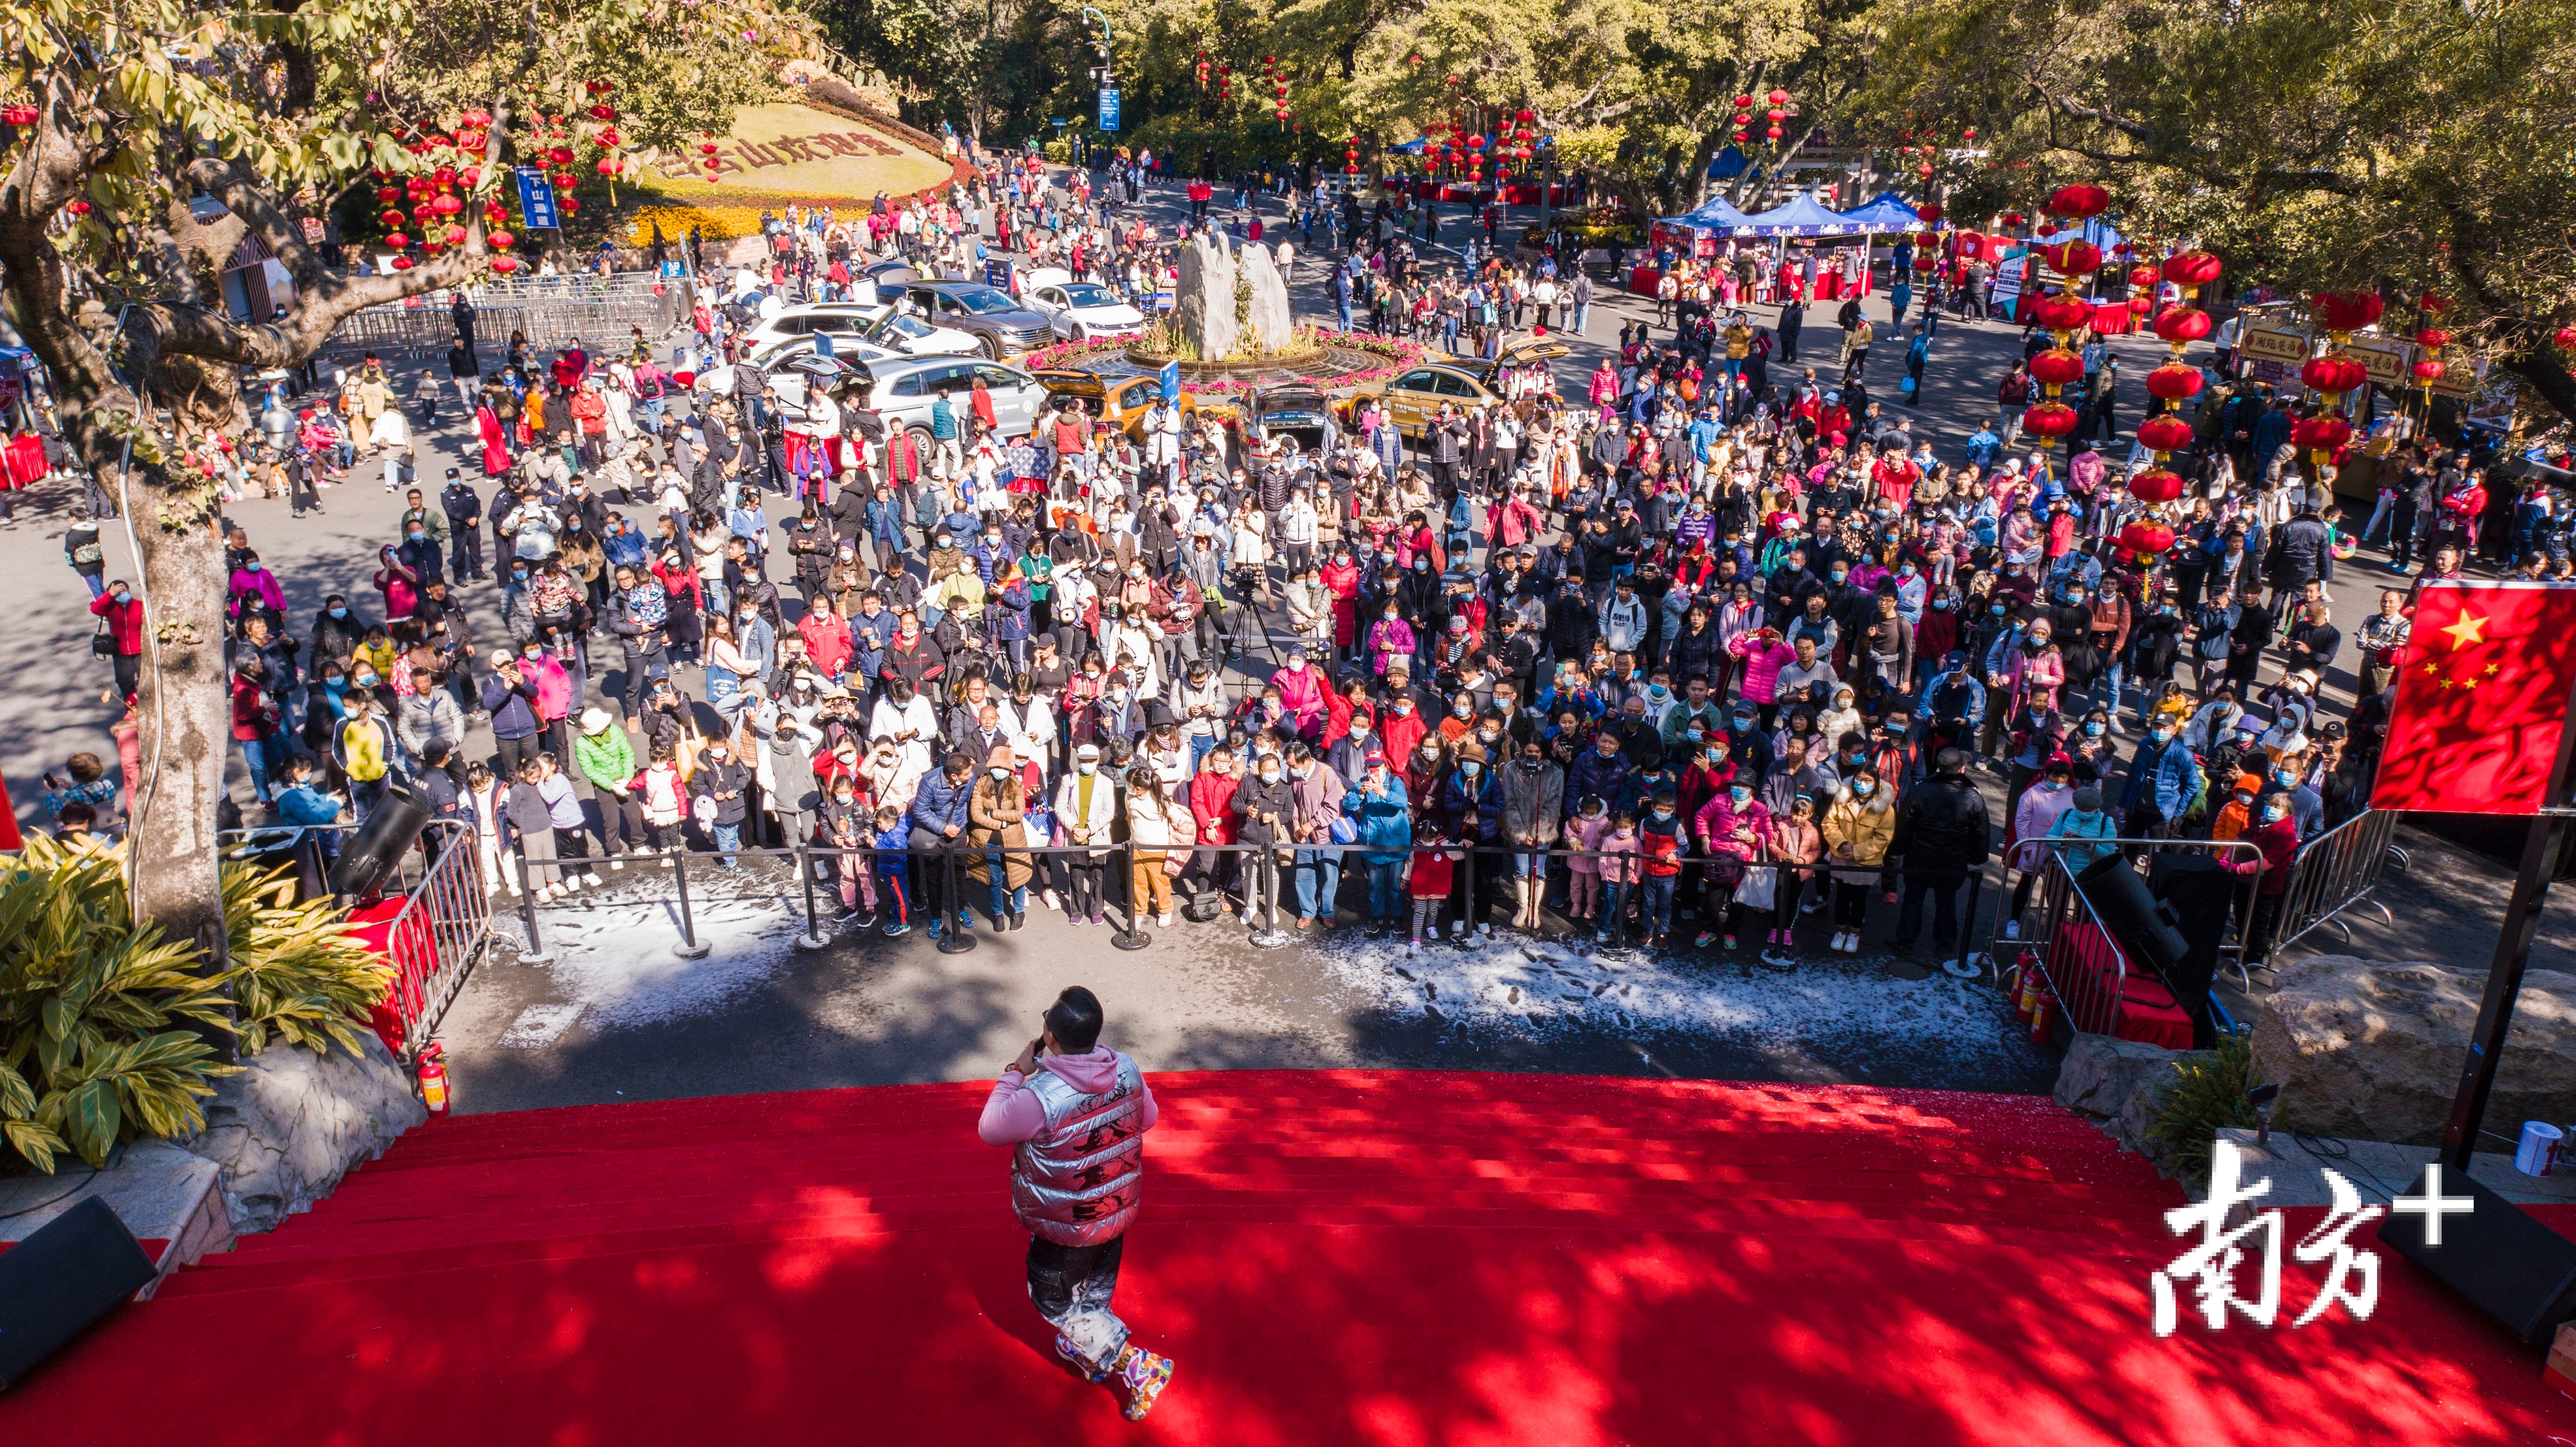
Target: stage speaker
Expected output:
[396,821]
[70,1273]
[2144,928]
[2497,1255]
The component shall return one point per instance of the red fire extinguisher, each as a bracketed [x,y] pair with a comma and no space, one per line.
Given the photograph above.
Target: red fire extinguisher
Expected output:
[2041,1025]
[433,1078]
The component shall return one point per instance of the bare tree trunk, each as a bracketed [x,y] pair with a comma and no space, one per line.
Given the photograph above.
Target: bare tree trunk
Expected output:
[185,712]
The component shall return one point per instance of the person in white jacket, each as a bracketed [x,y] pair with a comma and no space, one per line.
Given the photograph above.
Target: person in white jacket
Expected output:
[1298,528]
[1162,428]
[906,718]
[1086,804]
[1249,556]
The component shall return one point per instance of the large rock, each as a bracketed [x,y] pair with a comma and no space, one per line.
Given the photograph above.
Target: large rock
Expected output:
[2115,1082]
[292,1123]
[2372,1049]
[1270,324]
[1203,297]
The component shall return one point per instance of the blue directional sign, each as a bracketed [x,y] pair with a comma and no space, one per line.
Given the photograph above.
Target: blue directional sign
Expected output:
[1108,108]
[537,200]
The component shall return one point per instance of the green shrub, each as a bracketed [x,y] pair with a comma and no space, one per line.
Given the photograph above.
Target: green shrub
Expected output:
[100,1022]
[2205,1093]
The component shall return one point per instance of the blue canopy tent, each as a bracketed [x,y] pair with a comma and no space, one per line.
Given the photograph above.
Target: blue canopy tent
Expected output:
[1886,212]
[1696,232]
[1729,164]
[1801,215]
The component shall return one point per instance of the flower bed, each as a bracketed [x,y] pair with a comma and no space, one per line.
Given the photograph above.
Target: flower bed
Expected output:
[1394,354]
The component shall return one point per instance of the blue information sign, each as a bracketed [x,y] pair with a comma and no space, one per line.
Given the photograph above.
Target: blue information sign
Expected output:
[537,200]
[1108,108]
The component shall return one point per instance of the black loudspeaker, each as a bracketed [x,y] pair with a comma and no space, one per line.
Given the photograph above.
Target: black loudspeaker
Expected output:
[70,1273]
[2143,928]
[2497,1255]
[396,821]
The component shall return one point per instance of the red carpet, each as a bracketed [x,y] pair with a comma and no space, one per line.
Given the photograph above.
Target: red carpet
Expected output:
[1390,1259]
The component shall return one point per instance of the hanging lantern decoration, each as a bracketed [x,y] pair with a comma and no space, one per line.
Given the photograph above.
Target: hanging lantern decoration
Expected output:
[2056,368]
[2144,278]
[2163,434]
[2181,326]
[402,263]
[505,264]
[2432,339]
[2062,314]
[1929,213]
[2141,304]
[2173,382]
[2333,375]
[396,240]
[2156,485]
[2428,371]
[2345,312]
[2013,220]
[2048,421]
[2566,338]
[2073,258]
[2319,436]
[392,219]
[2145,538]
[2079,202]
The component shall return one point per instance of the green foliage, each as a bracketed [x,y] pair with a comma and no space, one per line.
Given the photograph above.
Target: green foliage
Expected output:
[2206,1092]
[2407,146]
[101,1021]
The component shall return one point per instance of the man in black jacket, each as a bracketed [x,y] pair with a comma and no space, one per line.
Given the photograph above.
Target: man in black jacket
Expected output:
[464,510]
[1942,833]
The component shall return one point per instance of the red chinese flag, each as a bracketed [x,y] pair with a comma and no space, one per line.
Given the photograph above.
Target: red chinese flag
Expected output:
[2482,699]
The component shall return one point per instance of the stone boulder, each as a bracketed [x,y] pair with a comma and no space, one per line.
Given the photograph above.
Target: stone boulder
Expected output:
[2114,1082]
[292,1123]
[2372,1049]
[1271,327]
[1203,297]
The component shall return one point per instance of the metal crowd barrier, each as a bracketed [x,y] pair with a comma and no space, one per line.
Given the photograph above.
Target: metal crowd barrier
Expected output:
[1493,861]
[551,310]
[2337,871]
[437,936]
[2042,932]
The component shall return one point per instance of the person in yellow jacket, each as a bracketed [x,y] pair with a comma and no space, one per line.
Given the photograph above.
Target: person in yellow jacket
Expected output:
[1857,829]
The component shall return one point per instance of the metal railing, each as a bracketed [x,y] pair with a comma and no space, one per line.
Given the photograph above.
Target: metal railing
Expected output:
[434,939]
[437,938]
[2338,871]
[552,310]
[2039,934]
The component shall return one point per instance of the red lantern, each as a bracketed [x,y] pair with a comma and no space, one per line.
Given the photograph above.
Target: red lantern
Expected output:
[2191,270]
[447,205]
[2429,371]
[2183,324]
[2345,311]
[393,220]
[397,240]
[2142,278]
[500,240]
[2333,374]
[454,236]
[1744,102]
[2566,338]
[1525,117]
[1778,97]
[402,263]
[2062,313]
[2079,202]
[558,156]
[2048,421]
[2013,220]
[2156,485]
[2163,433]
[1928,213]
[603,113]
[2141,304]
[2174,382]
[2320,434]
[569,204]
[1925,261]
[2057,367]
[2146,537]
[20,115]
[2074,258]
[2433,339]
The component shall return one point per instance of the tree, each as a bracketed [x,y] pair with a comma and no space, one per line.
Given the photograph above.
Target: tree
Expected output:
[2406,146]
[127,120]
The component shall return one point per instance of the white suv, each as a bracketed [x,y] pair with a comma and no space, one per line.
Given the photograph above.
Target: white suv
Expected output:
[876,326]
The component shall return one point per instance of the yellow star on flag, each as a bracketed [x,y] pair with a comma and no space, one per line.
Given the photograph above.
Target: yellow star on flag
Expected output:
[2465,632]
[2468,683]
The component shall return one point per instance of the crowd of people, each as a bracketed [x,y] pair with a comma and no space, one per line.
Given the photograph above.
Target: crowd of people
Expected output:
[1710,654]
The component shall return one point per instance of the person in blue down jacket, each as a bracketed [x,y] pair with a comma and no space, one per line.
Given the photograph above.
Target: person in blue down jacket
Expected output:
[939,822]
[1471,812]
[1381,817]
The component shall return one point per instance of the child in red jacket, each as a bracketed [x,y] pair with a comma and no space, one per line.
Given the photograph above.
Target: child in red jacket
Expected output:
[1434,863]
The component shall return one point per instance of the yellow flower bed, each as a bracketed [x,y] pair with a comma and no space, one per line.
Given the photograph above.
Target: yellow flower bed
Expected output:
[714,222]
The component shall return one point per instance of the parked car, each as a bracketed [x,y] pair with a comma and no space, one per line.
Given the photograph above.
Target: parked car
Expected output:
[1300,410]
[901,391]
[1080,309]
[879,327]
[1123,401]
[791,371]
[1414,395]
[1005,327]
[888,277]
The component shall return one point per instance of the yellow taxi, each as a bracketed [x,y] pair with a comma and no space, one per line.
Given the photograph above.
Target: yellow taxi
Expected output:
[1123,401]
[1413,396]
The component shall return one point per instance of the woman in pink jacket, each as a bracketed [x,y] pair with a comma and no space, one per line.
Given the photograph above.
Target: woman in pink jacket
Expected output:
[1764,654]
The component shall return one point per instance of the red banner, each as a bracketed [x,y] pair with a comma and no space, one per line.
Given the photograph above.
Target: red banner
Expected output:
[2481,699]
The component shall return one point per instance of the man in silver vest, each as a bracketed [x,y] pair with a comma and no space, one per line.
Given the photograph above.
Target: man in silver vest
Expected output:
[1075,1113]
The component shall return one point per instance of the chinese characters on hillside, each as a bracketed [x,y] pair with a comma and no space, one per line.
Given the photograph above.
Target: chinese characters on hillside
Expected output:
[739,155]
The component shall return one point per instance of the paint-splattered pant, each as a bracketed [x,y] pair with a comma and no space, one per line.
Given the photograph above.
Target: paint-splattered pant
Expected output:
[1071,1287]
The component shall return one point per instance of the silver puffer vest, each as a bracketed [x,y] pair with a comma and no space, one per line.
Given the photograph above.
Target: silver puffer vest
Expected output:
[1077,1182]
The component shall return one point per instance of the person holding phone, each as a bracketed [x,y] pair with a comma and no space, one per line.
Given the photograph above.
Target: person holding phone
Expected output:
[1075,1113]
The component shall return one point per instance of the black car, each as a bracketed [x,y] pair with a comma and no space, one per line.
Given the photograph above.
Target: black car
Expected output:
[1293,409]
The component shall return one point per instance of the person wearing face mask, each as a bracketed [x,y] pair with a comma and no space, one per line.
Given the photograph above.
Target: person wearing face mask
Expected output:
[2034,818]
[995,811]
[2163,778]
[1085,809]
[2272,831]
[1941,837]
[1533,809]
[2076,835]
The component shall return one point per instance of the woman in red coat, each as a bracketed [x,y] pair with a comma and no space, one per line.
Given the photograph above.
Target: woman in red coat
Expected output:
[1341,579]
[496,445]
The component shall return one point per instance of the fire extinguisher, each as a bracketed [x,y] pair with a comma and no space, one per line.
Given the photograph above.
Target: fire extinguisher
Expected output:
[433,1078]
[2033,985]
[2041,1026]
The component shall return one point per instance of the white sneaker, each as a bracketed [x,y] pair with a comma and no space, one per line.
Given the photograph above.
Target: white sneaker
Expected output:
[1413,947]
[590,877]
[1049,896]
[2012,929]
[616,864]
[515,891]
[1457,929]
[1163,921]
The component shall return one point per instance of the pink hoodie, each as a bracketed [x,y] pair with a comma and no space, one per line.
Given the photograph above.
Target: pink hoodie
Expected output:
[1012,1114]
